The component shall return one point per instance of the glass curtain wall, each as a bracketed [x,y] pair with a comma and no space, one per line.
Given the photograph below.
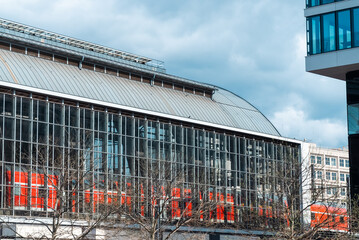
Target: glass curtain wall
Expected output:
[356,27]
[344,30]
[313,3]
[328,32]
[97,155]
[315,36]
[333,31]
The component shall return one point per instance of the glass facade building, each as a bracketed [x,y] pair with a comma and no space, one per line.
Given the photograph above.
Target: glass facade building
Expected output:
[332,50]
[313,3]
[106,131]
[39,136]
[333,31]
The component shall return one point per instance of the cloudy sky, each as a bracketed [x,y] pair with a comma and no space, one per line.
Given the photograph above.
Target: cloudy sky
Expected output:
[254,48]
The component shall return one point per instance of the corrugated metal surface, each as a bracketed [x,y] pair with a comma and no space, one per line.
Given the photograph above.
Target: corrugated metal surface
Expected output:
[225,109]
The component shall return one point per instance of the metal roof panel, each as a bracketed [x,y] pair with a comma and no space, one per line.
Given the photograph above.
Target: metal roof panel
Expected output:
[226,108]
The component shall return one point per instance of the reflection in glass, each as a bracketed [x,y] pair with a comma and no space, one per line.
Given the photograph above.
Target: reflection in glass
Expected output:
[344,30]
[356,27]
[353,119]
[315,35]
[327,1]
[328,32]
[313,3]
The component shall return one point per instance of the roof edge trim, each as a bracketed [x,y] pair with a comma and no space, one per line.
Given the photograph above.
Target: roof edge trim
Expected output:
[143,111]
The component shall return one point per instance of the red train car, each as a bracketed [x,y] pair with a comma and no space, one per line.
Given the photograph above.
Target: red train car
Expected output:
[329,217]
[37,191]
[31,191]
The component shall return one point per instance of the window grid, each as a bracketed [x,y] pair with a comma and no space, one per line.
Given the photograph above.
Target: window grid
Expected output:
[118,151]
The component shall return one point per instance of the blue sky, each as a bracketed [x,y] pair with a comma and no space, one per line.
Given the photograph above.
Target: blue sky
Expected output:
[256,49]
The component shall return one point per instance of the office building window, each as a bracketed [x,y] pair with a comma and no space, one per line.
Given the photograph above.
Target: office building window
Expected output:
[329,191]
[327,175]
[319,174]
[334,190]
[342,191]
[356,27]
[319,160]
[342,177]
[334,176]
[344,30]
[346,162]
[334,161]
[313,3]
[315,35]
[341,162]
[327,161]
[329,32]
[312,159]
[333,31]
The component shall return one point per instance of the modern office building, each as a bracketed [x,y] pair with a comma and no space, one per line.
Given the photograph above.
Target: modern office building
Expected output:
[330,172]
[333,51]
[329,183]
[68,106]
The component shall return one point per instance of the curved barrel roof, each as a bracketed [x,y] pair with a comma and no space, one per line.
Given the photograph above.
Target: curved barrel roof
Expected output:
[225,108]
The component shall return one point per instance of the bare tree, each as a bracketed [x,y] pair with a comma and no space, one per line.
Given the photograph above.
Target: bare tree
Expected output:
[65,189]
[164,202]
[304,209]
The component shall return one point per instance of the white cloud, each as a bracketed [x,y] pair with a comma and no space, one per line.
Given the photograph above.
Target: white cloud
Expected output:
[237,45]
[294,122]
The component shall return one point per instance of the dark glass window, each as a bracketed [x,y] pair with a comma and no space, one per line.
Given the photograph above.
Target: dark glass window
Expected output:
[344,30]
[25,108]
[328,32]
[356,27]
[73,116]
[58,114]
[313,3]
[42,111]
[353,106]
[315,35]
[8,105]
[327,1]
[9,128]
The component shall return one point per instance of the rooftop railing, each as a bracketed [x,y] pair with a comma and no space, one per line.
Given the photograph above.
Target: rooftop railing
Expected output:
[43,37]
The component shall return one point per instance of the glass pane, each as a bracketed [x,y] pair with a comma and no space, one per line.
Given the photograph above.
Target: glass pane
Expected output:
[8,105]
[42,111]
[356,26]
[353,106]
[344,30]
[328,32]
[26,108]
[313,3]
[315,38]
[353,119]
[327,1]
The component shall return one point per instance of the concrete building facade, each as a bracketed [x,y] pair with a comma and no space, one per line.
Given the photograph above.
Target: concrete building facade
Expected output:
[331,172]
